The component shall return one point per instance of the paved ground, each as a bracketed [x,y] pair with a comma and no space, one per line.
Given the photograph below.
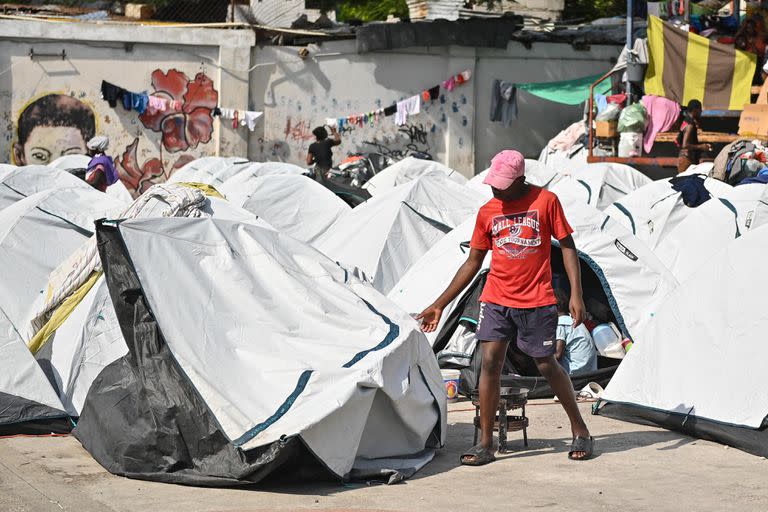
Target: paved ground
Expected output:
[637,469]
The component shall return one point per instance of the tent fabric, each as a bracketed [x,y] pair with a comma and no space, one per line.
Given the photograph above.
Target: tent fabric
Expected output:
[388,233]
[711,226]
[26,396]
[61,220]
[711,325]
[210,170]
[407,170]
[350,375]
[89,337]
[214,170]
[295,205]
[683,66]
[652,211]
[16,183]
[567,92]
[605,183]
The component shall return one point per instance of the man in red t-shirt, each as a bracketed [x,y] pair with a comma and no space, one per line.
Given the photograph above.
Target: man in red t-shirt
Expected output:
[518,302]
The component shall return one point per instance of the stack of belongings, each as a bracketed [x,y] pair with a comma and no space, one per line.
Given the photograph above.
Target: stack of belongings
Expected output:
[741,160]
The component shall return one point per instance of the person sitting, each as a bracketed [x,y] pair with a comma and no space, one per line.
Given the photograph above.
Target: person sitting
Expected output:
[574,349]
[688,138]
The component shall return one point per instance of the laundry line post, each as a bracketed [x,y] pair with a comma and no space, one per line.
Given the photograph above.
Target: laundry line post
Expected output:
[629,49]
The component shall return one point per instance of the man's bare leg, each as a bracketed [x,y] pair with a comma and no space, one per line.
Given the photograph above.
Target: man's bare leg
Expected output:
[561,385]
[494,353]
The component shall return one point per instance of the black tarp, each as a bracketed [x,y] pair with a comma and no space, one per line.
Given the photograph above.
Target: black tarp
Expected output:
[143,418]
[754,441]
[23,416]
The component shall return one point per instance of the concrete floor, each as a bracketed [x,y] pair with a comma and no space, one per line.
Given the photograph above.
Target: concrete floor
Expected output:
[636,469]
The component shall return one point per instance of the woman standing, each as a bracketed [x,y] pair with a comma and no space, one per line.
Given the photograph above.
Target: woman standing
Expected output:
[688,138]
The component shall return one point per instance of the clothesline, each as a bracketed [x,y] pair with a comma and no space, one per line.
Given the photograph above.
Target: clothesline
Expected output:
[143,102]
[401,109]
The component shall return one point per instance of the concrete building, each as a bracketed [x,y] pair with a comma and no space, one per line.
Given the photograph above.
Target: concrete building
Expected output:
[203,68]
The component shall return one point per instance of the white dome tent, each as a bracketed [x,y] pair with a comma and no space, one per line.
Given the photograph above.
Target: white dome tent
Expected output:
[293,204]
[701,363]
[351,381]
[36,234]
[16,183]
[653,211]
[388,233]
[407,170]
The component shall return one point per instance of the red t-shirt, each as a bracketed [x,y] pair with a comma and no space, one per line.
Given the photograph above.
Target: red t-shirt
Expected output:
[520,235]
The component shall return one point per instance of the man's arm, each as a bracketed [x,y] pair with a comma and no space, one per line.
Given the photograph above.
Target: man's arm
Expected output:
[465,274]
[336,136]
[573,269]
[310,159]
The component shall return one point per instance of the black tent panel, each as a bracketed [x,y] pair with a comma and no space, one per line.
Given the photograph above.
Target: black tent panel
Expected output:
[754,441]
[143,418]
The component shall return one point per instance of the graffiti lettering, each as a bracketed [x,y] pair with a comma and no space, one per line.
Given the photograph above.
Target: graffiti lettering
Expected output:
[417,142]
[298,130]
[416,133]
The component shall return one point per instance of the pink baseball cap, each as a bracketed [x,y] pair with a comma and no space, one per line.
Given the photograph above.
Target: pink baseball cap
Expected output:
[506,167]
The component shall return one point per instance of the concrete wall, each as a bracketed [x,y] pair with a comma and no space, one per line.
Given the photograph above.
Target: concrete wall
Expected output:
[60,104]
[297,95]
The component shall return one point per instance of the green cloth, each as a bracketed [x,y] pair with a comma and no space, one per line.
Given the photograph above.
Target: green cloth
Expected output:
[568,92]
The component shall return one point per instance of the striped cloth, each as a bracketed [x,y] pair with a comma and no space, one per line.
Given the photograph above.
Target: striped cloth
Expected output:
[162,200]
[684,66]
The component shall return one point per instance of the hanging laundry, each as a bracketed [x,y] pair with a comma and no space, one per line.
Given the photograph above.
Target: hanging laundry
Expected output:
[111,93]
[662,116]
[503,102]
[425,95]
[434,92]
[406,108]
[140,102]
[466,75]
[329,121]
[390,110]
[157,104]
[601,102]
[236,119]
[450,84]
[216,112]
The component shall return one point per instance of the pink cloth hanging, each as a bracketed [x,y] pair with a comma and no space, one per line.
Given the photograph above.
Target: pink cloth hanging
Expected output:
[662,115]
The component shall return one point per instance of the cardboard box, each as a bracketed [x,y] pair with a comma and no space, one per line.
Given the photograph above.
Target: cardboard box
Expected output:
[754,120]
[139,11]
[606,129]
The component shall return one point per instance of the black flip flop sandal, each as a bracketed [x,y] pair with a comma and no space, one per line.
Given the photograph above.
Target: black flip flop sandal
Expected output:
[582,444]
[482,456]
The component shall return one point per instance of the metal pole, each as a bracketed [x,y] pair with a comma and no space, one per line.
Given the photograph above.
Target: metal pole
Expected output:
[629,49]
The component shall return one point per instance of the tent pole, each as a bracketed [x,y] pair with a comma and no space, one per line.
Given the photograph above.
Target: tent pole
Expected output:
[629,48]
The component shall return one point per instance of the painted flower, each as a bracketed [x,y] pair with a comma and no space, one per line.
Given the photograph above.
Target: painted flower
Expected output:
[139,177]
[186,127]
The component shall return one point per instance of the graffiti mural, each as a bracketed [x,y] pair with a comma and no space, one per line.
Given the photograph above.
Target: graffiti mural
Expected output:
[52,126]
[186,124]
[147,148]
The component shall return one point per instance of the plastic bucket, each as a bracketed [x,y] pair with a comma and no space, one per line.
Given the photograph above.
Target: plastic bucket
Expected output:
[636,72]
[451,382]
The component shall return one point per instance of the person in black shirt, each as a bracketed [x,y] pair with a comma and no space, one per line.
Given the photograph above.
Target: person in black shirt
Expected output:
[320,152]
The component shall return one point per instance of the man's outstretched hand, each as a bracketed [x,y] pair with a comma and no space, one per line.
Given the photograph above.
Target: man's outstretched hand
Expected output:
[578,310]
[430,317]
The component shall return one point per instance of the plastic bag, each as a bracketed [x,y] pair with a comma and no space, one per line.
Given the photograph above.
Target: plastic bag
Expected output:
[610,113]
[633,119]
[630,144]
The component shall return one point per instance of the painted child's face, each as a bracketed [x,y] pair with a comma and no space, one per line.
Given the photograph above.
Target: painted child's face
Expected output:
[47,143]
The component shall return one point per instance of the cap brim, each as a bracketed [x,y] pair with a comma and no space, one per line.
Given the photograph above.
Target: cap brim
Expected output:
[498,182]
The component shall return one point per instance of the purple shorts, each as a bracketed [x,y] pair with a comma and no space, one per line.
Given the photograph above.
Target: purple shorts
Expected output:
[533,329]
